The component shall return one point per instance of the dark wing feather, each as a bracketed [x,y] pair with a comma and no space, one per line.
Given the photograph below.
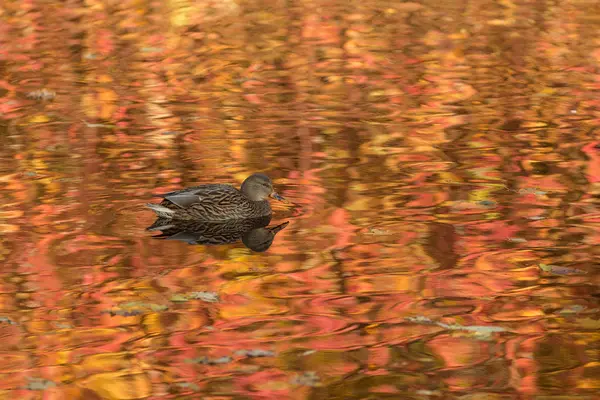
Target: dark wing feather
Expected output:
[183,200]
[198,190]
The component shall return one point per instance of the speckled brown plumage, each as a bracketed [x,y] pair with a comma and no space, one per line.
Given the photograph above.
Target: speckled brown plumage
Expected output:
[217,202]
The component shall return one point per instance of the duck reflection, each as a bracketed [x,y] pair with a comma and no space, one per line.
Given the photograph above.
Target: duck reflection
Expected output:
[253,232]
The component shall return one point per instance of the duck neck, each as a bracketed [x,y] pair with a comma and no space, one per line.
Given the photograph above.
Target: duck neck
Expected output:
[261,206]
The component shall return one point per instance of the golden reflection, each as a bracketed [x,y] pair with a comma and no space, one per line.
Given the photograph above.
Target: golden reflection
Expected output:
[440,160]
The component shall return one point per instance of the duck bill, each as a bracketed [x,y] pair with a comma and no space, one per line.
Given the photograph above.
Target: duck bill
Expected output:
[277,197]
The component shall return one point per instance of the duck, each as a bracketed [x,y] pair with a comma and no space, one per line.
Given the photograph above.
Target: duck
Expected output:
[218,202]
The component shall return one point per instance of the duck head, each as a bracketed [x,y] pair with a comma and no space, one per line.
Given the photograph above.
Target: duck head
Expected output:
[258,187]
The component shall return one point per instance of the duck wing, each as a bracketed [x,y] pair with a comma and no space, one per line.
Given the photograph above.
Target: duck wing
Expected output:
[186,197]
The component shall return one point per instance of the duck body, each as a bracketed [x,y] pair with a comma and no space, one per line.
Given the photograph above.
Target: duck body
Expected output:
[218,202]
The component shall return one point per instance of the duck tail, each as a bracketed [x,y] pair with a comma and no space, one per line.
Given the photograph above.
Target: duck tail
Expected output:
[161,211]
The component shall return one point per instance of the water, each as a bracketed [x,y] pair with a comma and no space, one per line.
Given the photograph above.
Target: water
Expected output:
[441,163]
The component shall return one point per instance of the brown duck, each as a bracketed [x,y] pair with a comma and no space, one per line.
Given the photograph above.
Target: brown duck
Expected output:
[217,202]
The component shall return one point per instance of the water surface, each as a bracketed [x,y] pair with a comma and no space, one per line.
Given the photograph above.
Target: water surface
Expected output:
[442,165]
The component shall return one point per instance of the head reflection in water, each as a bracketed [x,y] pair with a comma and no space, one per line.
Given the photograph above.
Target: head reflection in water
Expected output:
[260,239]
[253,232]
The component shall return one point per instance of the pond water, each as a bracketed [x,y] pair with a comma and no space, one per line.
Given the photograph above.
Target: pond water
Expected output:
[441,166]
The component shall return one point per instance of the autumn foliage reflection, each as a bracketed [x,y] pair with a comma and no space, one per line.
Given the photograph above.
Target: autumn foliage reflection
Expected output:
[442,165]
